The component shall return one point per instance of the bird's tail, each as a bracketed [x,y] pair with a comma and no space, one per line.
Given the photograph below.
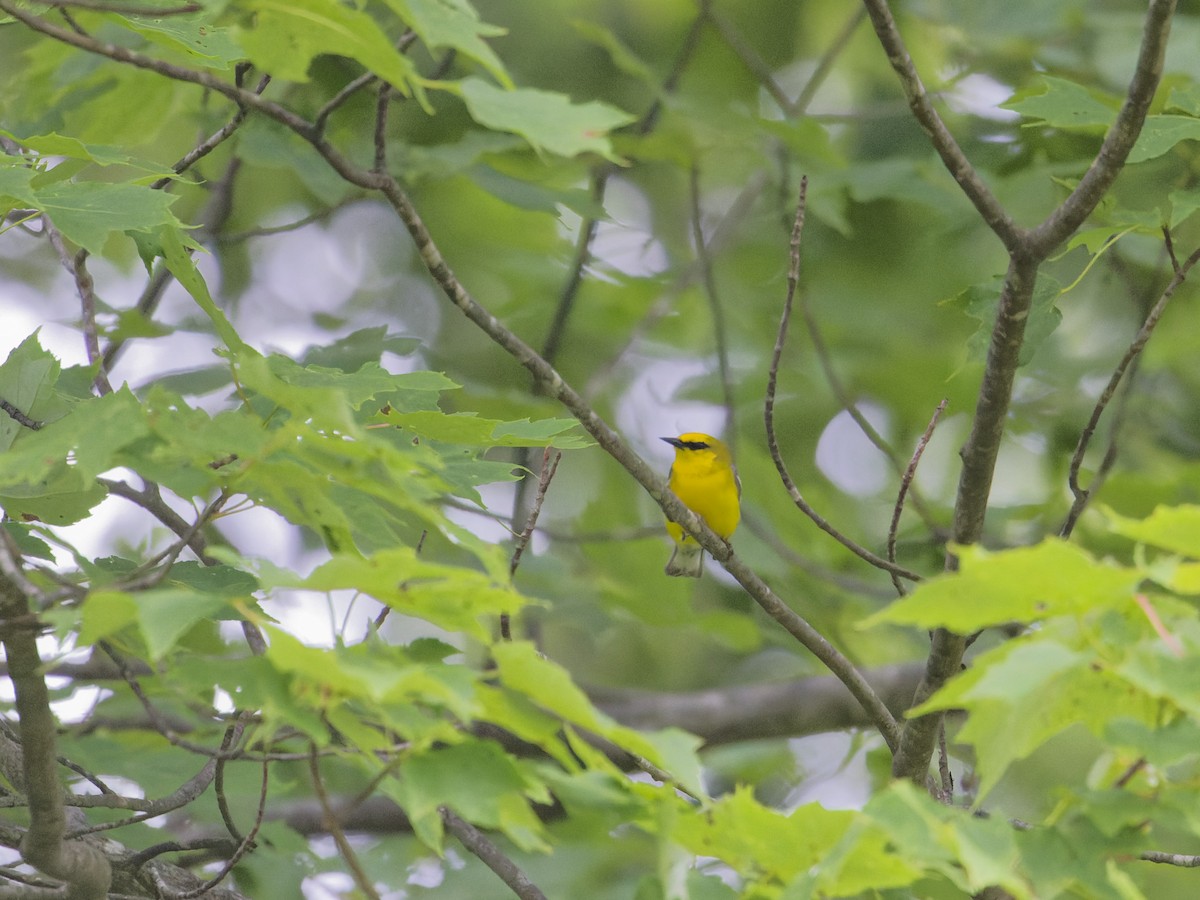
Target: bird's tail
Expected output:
[687,559]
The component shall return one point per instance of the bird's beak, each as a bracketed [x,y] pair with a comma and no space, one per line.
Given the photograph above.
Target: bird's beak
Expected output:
[674,442]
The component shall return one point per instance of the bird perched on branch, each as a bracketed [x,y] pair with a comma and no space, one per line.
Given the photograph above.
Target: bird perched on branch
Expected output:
[705,479]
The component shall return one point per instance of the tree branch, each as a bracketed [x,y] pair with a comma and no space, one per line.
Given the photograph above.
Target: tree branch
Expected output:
[943,141]
[83,867]
[1119,140]
[491,856]
[1081,494]
[776,709]
[553,384]
[785,476]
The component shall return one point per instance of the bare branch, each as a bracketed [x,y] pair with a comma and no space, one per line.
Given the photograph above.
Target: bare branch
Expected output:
[549,467]
[794,708]
[125,9]
[1083,495]
[335,830]
[19,417]
[905,481]
[491,856]
[769,410]
[550,461]
[943,141]
[76,267]
[704,259]
[825,64]
[1182,860]
[1119,140]
[383,100]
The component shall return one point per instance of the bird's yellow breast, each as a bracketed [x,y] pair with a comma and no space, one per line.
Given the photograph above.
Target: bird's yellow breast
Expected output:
[707,484]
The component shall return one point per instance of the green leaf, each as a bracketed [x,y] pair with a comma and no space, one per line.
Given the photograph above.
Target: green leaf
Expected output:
[1062,104]
[352,352]
[289,34]
[973,852]
[27,380]
[88,213]
[60,145]
[548,121]
[104,614]
[1175,529]
[195,36]
[202,380]
[1023,693]
[175,252]
[754,839]
[455,598]
[16,183]
[495,796]
[270,146]
[982,302]
[536,197]
[467,428]
[622,56]
[87,439]
[453,24]
[1161,133]
[220,580]
[441,161]
[164,615]
[1022,585]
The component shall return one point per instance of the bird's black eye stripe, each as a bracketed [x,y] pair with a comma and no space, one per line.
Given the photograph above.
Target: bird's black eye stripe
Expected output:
[693,445]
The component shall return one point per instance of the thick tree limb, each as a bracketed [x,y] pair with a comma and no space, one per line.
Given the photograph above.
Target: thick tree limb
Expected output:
[780,709]
[1027,251]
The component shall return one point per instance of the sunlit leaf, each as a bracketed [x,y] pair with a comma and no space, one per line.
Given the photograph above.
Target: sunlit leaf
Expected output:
[1021,585]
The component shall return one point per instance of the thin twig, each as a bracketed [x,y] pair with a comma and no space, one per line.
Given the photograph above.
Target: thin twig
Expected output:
[219,782]
[382,102]
[349,857]
[754,63]
[943,141]
[19,417]
[906,480]
[704,258]
[243,848]
[213,141]
[238,237]
[549,467]
[769,409]
[76,267]
[825,64]
[550,461]
[125,9]
[1127,776]
[491,856]
[353,87]
[1083,495]
[825,358]
[386,611]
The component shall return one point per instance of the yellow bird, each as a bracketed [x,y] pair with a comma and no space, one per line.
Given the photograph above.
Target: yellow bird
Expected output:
[705,479]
